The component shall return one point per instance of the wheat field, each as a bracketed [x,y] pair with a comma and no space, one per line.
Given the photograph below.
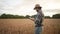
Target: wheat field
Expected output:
[26,26]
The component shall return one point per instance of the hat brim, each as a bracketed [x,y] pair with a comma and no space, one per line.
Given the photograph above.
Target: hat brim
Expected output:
[37,7]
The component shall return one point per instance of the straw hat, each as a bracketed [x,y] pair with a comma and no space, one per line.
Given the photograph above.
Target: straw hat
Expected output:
[37,6]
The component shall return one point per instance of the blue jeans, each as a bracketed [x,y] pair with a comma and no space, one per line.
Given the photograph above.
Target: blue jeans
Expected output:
[38,30]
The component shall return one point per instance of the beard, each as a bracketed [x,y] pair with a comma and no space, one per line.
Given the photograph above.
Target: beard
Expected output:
[37,10]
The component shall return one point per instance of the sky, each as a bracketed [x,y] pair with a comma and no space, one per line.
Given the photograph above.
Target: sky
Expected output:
[25,7]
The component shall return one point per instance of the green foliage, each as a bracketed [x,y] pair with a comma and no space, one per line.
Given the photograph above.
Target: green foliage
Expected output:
[47,17]
[27,16]
[10,16]
[3,16]
[56,16]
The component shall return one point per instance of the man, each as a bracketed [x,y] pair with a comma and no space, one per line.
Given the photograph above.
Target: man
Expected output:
[38,18]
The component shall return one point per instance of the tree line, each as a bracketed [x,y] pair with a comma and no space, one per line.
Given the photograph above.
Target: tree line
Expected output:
[10,16]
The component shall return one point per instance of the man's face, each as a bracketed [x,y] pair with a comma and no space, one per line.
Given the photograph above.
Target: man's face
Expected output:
[37,9]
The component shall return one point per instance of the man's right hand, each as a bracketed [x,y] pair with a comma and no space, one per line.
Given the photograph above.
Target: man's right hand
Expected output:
[31,18]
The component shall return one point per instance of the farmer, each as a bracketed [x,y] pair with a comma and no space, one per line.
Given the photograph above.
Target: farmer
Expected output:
[38,18]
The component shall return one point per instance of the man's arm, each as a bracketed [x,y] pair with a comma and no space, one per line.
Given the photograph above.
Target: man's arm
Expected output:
[41,12]
[31,19]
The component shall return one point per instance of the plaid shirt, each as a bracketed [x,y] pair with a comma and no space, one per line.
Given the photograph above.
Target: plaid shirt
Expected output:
[38,19]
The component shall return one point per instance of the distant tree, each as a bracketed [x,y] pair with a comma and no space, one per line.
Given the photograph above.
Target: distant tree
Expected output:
[11,16]
[21,17]
[27,16]
[47,17]
[56,16]
[3,16]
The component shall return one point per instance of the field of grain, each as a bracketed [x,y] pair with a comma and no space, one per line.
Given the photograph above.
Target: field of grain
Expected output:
[26,26]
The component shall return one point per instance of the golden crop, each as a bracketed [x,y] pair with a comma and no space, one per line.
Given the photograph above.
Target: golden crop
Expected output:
[26,26]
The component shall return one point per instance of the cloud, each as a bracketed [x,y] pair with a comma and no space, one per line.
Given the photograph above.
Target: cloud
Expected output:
[7,6]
